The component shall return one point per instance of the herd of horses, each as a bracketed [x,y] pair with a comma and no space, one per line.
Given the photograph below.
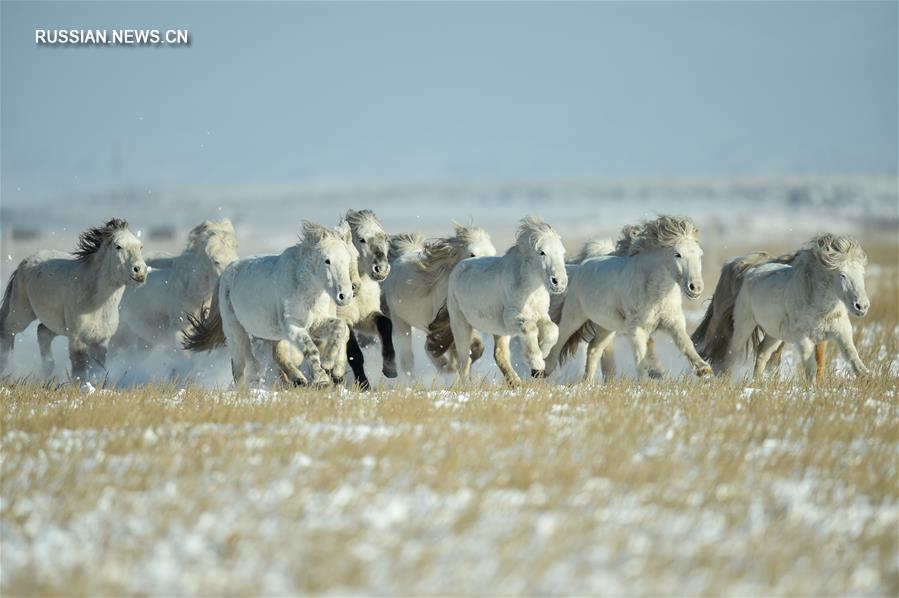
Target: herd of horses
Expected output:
[306,312]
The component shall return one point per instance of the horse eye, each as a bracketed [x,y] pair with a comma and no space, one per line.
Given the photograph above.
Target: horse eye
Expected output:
[677,255]
[542,253]
[472,255]
[362,240]
[328,262]
[118,246]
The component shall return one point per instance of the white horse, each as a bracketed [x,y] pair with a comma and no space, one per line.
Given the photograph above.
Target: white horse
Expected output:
[364,313]
[416,288]
[368,246]
[506,296]
[805,302]
[292,296]
[636,295]
[156,312]
[712,336]
[601,247]
[73,297]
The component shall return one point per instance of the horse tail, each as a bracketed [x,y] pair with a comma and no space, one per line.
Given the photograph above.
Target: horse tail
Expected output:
[713,335]
[440,334]
[205,332]
[403,244]
[7,298]
[584,333]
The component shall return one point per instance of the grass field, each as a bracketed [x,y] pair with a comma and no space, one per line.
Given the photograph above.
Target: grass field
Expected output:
[669,487]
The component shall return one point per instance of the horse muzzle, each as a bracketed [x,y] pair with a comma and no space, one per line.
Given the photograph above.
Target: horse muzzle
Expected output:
[343,299]
[380,271]
[860,308]
[693,290]
[556,286]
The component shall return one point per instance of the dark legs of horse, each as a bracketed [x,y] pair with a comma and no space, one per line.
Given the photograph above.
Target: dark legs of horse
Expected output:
[385,331]
[357,361]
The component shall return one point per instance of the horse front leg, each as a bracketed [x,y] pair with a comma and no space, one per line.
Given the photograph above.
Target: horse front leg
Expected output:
[331,336]
[80,359]
[677,329]
[300,338]
[807,354]
[357,361]
[842,334]
[530,342]
[638,337]
[97,353]
[548,335]
[388,354]
[45,338]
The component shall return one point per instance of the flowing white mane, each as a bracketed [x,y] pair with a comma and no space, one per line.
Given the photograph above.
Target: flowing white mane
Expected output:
[531,230]
[317,237]
[440,255]
[834,252]
[214,238]
[664,231]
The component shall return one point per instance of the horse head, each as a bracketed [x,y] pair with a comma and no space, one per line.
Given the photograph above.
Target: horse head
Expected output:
[332,261]
[117,248]
[371,242]
[476,240]
[541,244]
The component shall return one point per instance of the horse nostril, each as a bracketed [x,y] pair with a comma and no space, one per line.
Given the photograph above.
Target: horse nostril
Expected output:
[340,296]
[136,269]
[554,280]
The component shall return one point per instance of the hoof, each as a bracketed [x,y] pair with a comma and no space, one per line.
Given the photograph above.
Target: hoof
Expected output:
[655,374]
[297,382]
[538,373]
[364,384]
[321,383]
[389,369]
[703,371]
[337,380]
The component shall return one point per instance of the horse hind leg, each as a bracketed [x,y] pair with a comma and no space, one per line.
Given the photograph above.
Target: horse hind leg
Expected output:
[45,338]
[239,341]
[462,335]
[15,316]
[597,348]
[501,357]
[767,348]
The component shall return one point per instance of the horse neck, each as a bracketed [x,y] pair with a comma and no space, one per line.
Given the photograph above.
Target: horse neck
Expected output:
[289,262]
[99,280]
[529,278]
[650,273]
[810,285]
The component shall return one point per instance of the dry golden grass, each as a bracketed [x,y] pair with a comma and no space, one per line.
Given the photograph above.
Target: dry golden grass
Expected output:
[672,487]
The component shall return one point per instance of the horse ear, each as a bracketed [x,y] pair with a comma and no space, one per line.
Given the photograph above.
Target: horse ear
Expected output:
[343,229]
[458,227]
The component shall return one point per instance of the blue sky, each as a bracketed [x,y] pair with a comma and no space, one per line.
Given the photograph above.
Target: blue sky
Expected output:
[273,93]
